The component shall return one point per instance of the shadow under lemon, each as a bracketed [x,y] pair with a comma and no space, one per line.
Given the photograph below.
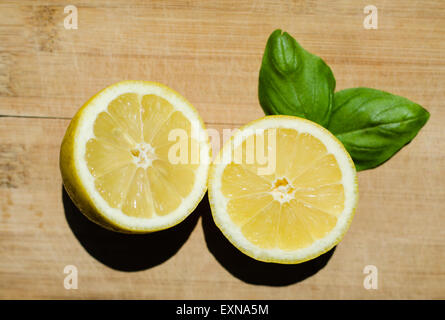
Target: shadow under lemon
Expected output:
[253,271]
[135,252]
[128,252]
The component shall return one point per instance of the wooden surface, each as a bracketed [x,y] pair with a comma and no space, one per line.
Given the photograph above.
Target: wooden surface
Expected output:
[210,51]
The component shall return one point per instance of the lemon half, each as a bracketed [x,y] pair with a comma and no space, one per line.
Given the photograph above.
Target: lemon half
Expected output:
[283,190]
[135,158]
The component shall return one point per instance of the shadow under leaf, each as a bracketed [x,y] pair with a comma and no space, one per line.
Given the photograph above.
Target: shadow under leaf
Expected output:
[250,270]
[127,252]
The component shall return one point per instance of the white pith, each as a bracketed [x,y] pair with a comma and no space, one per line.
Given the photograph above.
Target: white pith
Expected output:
[233,232]
[85,131]
[285,193]
[143,155]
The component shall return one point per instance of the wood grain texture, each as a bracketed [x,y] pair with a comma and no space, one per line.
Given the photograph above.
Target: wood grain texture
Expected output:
[210,51]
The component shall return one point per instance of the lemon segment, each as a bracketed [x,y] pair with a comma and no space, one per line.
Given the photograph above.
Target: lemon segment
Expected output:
[261,229]
[243,208]
[135,158]
[155,112]
[283,189]
[113,186]
[292,233]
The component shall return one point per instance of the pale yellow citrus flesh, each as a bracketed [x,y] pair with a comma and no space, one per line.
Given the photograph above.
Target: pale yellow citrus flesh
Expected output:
[306,175]
[129,156]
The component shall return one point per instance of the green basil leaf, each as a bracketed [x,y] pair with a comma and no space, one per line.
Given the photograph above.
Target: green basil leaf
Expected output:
[295,82]
[373,125]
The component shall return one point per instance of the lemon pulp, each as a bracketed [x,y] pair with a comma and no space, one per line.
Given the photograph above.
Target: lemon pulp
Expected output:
[292,207]
[129,156]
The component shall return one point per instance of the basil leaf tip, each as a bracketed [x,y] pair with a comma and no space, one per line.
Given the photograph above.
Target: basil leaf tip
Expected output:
[373,125]
[295,82]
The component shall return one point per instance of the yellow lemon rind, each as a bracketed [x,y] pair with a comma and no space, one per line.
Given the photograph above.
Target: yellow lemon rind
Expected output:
[74,186]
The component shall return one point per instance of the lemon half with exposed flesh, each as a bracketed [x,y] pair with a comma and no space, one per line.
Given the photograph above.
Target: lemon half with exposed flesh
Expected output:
[283,190]
[135,158]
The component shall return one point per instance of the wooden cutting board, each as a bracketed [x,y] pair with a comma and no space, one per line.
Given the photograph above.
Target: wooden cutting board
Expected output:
[210,51]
